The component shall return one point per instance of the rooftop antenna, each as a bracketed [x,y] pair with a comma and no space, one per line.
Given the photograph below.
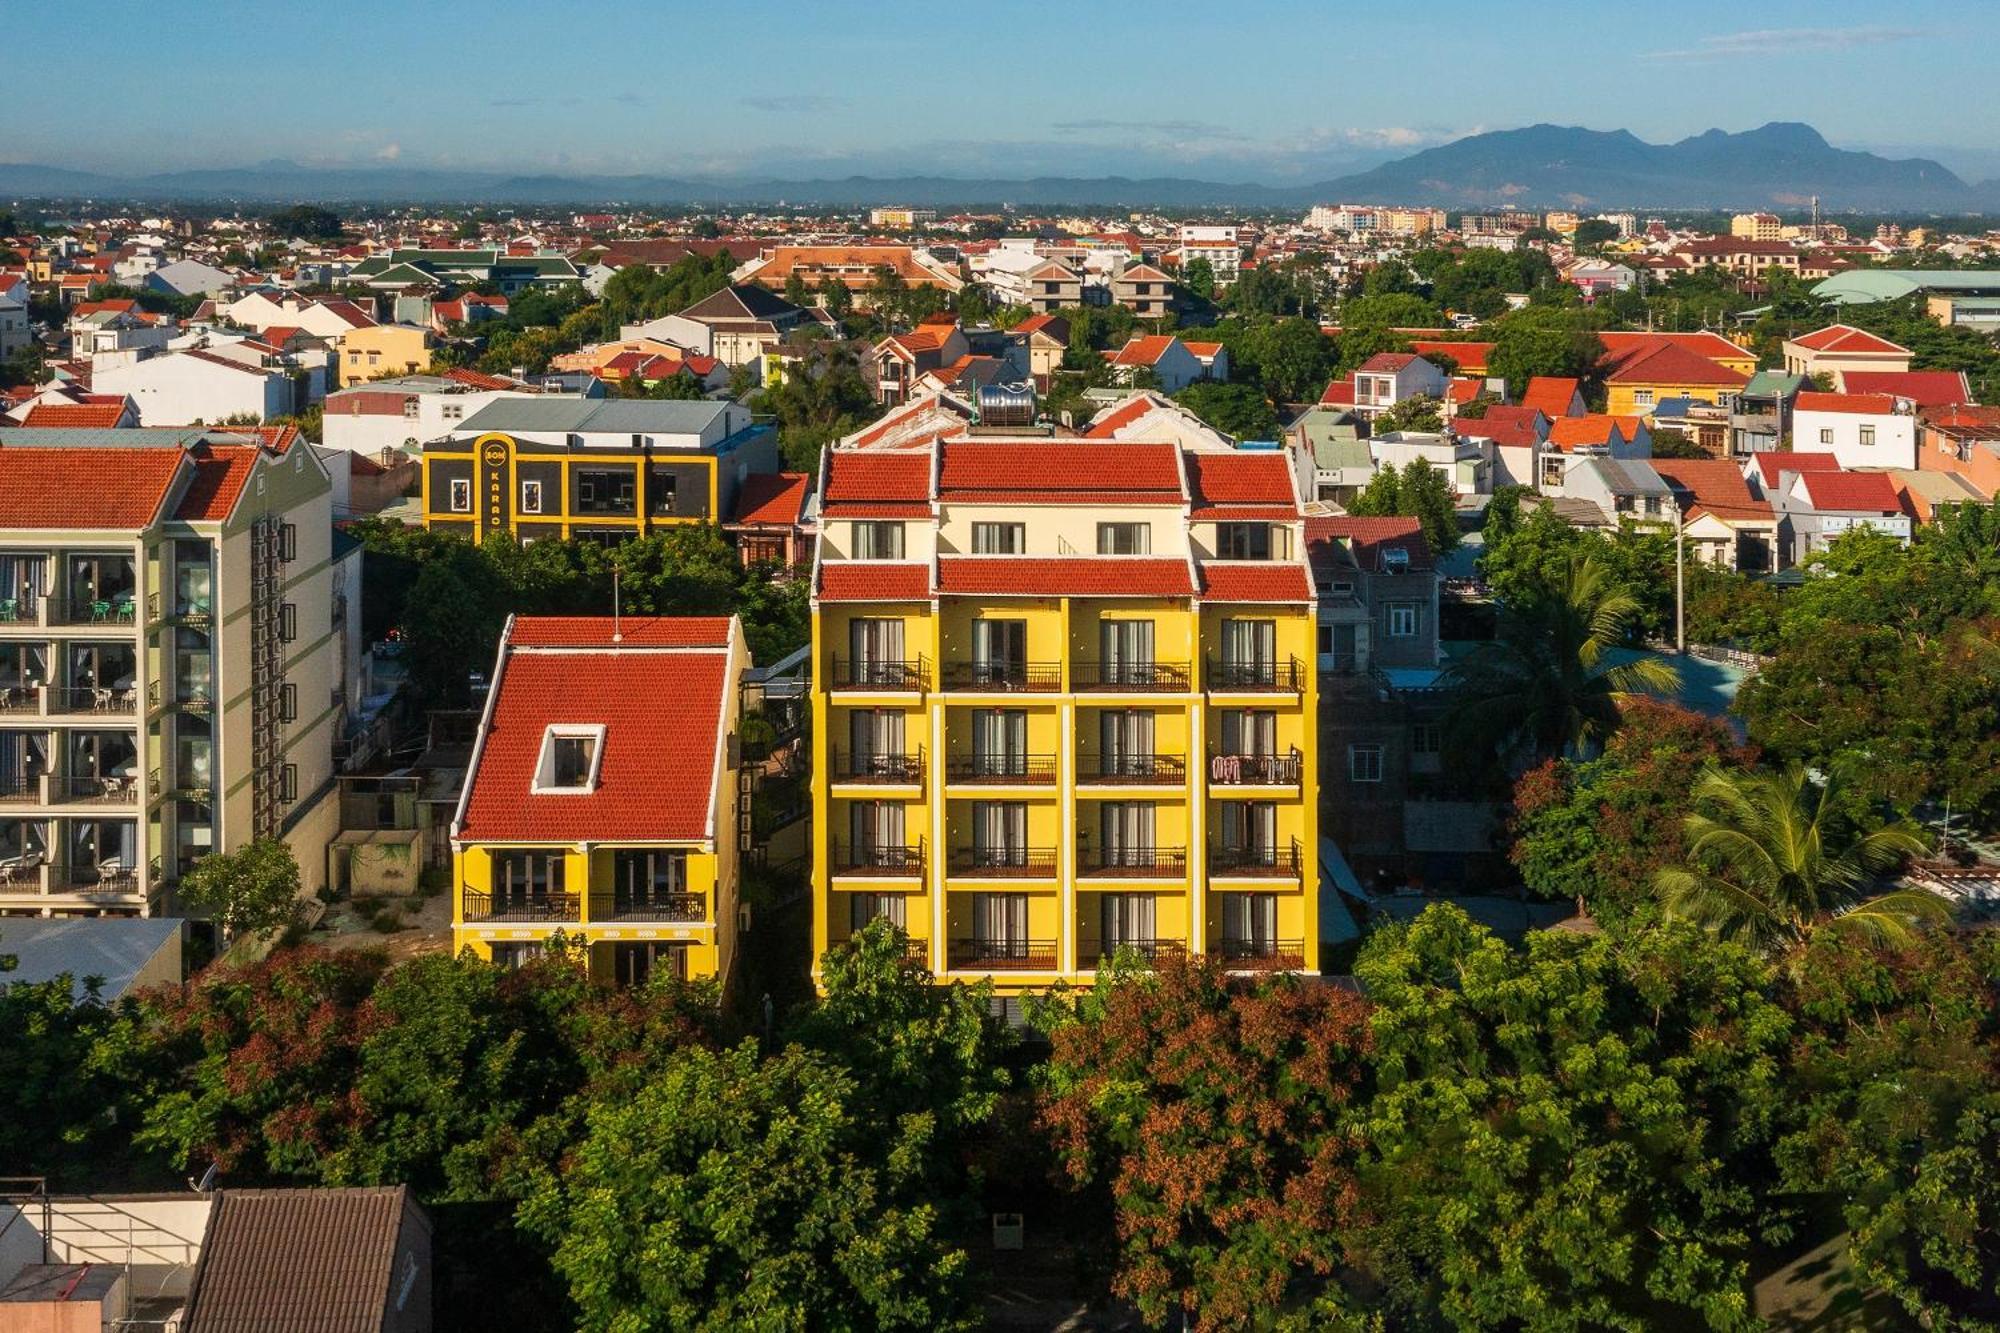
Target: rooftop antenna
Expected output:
[617,630]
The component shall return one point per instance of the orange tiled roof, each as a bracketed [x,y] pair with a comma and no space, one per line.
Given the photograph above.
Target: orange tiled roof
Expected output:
[1866,404]
[119,489]
[773,497]
[1847,340]
[1255,581]
[1059,472]
[874,581]
[75,415]
[1065,576]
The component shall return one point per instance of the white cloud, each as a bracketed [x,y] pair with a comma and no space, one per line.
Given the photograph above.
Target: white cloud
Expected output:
[1784,41]
[388,152]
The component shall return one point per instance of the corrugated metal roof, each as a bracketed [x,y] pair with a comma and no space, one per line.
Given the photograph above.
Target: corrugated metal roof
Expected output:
[115,949]
[584,416]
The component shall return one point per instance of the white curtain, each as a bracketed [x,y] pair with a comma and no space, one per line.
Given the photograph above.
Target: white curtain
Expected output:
[1000,918]
[1128,918]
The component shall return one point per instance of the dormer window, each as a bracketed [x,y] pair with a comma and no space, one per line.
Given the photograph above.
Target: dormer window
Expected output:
[569,760]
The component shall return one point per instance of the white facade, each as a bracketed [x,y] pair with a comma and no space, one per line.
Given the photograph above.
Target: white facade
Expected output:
[1467,464]
[1859,439]
[16,330]
[371,418]
[1220,246]
[183,388]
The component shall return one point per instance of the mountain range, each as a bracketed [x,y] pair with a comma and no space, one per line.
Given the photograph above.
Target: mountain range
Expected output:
[1777,166]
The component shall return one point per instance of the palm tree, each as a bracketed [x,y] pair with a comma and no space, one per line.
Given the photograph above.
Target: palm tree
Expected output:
[1772,858]
[1543,682]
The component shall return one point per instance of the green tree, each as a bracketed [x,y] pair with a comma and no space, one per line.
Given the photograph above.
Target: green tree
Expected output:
[1773,858]
[1220,1117]
[1542,340]
[253,890]
[1543,685]
[797,291]
[732,1192]
[1592,233]
[1419,491]
[1572,1136]
[307,221]
[53,1098]
[1234,409]
[1670,443]
[1199,279]
[1420,412]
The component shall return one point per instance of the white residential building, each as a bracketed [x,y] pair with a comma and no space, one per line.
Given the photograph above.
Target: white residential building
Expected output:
[200,385]
[1861,430]
[1221,246]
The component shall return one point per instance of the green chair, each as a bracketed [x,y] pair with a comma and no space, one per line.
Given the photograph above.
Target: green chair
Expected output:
[100,612]
[10,608]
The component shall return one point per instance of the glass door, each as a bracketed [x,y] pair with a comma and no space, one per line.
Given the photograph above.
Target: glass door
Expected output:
[876,644]
[1250,923]
[1127,649]
[1126,920]
[1000,743]
[999,833]
[1000,924]
[1128,834]
[1250,651]
[1125,743]
[1000,652]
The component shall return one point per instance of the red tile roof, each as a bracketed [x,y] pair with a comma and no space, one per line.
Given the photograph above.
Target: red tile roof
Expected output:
[881,485]
[1674,364]
[662,714]
[1551,395]
[874,581]
[220,473]
[118,489]
[1143,349]
[75,415]
[1592,431]
[477,379]
[1623,346]
[1469,356]
[1848,340]
[1065,576]
[772,497]
[1711,485]
[1462,389]
[1108,426]
[1770,465]
[1059,472]
[1054,326]
[1255,581]
[633,631]
[1865,404]
[1367,538]
[1388,362]
[1340,393]
[1925,388]
[1233,482]
[1851,492]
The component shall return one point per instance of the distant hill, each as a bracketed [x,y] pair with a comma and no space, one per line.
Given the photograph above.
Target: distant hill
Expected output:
[1543,166]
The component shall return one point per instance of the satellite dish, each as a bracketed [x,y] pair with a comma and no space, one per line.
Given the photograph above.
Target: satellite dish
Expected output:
[207,1180]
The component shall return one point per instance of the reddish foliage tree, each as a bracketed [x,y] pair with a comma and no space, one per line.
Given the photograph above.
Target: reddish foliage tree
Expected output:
[1218,1113]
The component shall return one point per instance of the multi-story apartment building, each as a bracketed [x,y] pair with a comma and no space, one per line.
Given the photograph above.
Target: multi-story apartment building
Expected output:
[174,627]
[1064,704]
[600,469]
[1220,246]
[602,797]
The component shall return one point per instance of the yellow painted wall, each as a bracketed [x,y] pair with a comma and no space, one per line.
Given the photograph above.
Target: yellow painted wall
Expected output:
[381,351]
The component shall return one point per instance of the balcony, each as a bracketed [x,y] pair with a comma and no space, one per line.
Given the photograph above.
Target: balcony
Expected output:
[1262,955]
[878,861]
[193,612]
[1253,676]
[1004,677]
[105,877]
[1004,862]
[869,674]
[1147,951]
[118,609]
[91,699]
[1129,677]
[192,698]
[522,906]
[21,700]
[686,908]
[111,789]
[1010,955]
[1133,863]
[20,612]
[1002,769]
[1255,862]
[1132,770]
[882,770]
[1256,770]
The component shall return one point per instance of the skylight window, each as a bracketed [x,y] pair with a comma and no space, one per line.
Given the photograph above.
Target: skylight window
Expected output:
[569,760]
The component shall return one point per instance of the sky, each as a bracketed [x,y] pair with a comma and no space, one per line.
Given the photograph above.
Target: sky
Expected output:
[1226,90]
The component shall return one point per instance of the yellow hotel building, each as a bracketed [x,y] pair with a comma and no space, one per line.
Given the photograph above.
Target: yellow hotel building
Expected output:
[601,801]
[1063,705]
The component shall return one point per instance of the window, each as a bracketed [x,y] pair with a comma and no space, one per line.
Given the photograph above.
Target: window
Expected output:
[1124,539]
[1128,827]
[461,495]
[1000,924]
[1127,920]
[605,492]
[999,538]
[288,784]
[1000,743]
[878,541]
[1402,620]
[1243,541]
[1249,923]
[875,644]
[1249,731]
[449,411]
[1249,652]
[1426,738]
[999,652]
[862,908]
[1552,471]
[531,497]
[634,963]
[1642,397]
[288,704]
[410,407]
[662,491]
[1127,649]
[999,833]
[1826,435]
[1364,763]
[569,759]
[288,541]
[1868,435]
[1125,743]
[647,880]
[288,622]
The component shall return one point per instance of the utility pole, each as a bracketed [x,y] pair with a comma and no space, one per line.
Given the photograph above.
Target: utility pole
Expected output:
[1680,579]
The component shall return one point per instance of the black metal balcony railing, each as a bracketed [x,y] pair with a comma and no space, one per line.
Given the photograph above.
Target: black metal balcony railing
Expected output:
[19,787]
[1275,955]
[1133,861]
[872,674]
[117,609]
[114,789]
[187,610]
[522,906]
[1148,768]
[1256,770]
[20,698]
[1009,677]
[193,697]
[92,699]
[1150,951]
[1004,955]
[1226,673]
[878,859]
[682,907]
[1166,676]
[1001,768]
[898,769]
[1271,862]
[104,877]
[1004,862]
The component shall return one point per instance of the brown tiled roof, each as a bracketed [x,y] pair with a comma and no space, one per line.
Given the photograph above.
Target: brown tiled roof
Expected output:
[307,1260]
